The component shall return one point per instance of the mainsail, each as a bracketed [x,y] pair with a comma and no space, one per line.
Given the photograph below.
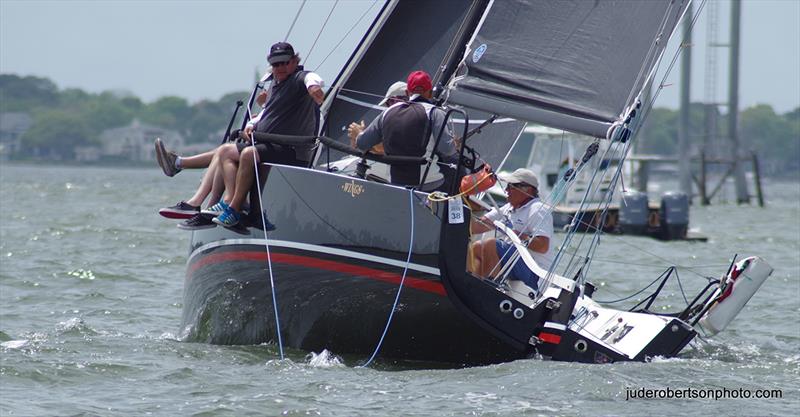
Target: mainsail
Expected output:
[412,35]
[573,64]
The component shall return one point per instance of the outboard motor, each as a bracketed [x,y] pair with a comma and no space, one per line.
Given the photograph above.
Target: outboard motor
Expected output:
[674,215]
[633,213]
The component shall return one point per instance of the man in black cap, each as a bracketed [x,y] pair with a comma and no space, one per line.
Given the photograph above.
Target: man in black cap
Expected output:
[291,108]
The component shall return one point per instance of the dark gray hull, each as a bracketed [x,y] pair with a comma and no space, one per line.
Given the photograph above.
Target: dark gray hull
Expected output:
[336,270]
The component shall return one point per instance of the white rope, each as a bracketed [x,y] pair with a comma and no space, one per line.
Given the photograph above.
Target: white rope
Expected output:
[266,240]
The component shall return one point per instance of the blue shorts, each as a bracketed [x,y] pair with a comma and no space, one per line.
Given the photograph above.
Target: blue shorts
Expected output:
[519,271]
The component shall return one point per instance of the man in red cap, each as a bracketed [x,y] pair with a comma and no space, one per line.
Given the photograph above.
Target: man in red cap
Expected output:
[408,129]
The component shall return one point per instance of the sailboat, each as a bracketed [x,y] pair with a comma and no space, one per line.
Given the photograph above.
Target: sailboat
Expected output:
[358,265]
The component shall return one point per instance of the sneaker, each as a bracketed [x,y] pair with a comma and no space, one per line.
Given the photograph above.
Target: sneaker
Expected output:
[216,209]
[228,218]
[197,222]
[166,159]
[255,221]
[181,210]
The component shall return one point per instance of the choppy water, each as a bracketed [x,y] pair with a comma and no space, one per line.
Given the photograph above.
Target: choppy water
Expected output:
[90,304]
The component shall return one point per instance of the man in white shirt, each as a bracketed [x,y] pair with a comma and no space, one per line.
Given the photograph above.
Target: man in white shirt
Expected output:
[530,220]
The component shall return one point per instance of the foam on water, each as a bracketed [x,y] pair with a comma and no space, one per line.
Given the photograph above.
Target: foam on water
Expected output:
[324,359]
[15,344]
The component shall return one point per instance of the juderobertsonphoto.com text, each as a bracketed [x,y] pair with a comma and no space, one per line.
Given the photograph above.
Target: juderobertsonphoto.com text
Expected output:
[699,393]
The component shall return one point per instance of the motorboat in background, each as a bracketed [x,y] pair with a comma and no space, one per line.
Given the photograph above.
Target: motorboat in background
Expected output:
[633,211]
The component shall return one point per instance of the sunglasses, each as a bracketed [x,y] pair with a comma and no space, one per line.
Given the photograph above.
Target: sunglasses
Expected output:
[517,186]
[280,64]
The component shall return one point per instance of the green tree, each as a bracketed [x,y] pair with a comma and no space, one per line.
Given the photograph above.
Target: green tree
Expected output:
[24,93]
[659,134]
[776,139]
[105,111]
[169,112]
[55,134]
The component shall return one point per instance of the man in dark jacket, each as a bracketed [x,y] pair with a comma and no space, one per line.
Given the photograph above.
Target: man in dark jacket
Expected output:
[292,108]
[408,128]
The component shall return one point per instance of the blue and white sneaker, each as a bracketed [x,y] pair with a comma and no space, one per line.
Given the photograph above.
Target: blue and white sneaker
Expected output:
[228,218]
[216,209]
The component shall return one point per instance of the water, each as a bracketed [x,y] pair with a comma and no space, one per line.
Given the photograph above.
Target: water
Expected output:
[91,286]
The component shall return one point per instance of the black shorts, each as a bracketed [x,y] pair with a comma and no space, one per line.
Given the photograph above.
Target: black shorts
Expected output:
[276,154]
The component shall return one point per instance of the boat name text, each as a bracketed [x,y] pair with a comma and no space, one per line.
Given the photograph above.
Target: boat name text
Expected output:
[352,188]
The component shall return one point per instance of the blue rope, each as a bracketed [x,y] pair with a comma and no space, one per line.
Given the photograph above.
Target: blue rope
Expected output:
[402,280]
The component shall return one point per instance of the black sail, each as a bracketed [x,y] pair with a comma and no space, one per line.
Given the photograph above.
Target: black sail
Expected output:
[408,35]
[569,64]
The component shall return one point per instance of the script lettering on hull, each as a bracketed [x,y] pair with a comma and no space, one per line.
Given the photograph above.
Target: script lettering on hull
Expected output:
[352,188]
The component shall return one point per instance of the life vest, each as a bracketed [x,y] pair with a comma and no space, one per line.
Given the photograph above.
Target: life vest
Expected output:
[480,181]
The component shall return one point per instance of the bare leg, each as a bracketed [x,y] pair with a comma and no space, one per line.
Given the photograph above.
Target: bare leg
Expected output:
[474,258]
[486,258]
[229,160]
[202,160]
[218,185]
[244,176]
[206,185]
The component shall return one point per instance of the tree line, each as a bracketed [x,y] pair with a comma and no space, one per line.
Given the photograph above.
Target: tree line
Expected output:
[774,137]
[66,119]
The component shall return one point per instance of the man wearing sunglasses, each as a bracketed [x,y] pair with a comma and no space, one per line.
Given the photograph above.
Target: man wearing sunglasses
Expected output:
[291,108]
[530,220]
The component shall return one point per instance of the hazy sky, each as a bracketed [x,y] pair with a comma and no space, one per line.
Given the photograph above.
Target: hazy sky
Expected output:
[204,49]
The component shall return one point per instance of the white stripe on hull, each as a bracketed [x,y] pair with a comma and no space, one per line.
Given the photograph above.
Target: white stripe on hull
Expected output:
[315,248]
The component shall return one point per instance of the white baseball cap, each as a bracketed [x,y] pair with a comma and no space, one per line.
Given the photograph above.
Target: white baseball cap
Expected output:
[521,175]
[396,89]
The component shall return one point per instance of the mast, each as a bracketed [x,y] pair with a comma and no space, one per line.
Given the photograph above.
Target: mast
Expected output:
[459,45]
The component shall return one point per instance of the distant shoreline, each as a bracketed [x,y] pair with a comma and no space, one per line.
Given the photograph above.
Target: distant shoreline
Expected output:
[786,177]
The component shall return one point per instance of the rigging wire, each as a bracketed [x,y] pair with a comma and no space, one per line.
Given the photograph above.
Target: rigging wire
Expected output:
[294,21]
[673,62]
[345,36]
[623,155]
[615,180]
[266,242]
[402,280]
[595,242]
[633,295]
[688,268]
[321,30]
[348,90]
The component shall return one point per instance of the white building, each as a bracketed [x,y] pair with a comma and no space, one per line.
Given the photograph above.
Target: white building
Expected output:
[135,142]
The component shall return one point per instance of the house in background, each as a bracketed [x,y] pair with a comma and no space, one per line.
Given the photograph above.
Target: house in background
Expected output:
[132,143]
[12,126]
